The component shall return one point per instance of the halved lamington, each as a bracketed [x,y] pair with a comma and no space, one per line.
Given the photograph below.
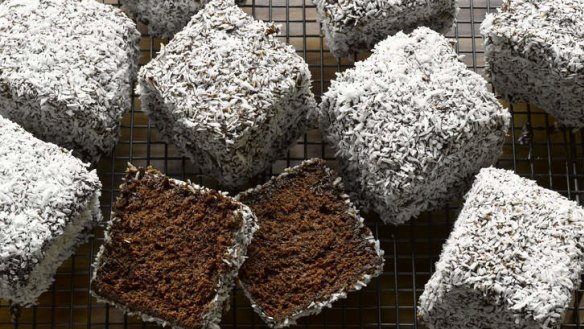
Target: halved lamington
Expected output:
[541,62]
[164,18]
[353,26]
[227,93]
[411,125]
[312,247]
[172,250]
[49,200]
[513,260]
[67,71]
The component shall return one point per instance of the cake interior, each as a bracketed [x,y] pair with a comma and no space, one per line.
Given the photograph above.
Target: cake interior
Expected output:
[164,254]
[308,246]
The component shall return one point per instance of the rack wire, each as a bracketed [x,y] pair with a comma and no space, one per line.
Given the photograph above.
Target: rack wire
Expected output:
[535,148]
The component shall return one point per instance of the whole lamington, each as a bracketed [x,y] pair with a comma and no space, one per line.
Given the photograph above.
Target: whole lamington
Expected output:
[227,93]
[411,125]
[357,25]
[513,260]
[535,53]
[164,18]
[49,201]
[67,68]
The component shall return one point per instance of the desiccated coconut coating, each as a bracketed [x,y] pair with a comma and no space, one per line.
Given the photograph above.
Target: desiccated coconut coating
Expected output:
[227,93]
[357,25]
[48,201]
[165,18]
[535,53]
[513,260]
[66,71]
[411,125]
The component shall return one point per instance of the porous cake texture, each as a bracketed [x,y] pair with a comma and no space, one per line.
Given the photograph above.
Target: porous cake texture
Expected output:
[66,71]
[172,250]
[227,93]
[164,18]
[357,25]
[312,247]
[513,259]
[411,125]
[535,53]
[49,201]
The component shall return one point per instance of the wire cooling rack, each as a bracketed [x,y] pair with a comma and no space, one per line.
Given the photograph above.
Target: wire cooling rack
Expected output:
[535,148]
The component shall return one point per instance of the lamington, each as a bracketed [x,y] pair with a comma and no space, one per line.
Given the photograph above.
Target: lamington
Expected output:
[172,250]
[353,26]
[49,201]
[411,126]
[164,18]
[541,62]
[513,259]
[312,247]
[67,68]
[228,94]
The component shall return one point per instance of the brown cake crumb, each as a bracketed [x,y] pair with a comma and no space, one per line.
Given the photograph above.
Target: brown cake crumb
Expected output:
[311,247]
[167,249]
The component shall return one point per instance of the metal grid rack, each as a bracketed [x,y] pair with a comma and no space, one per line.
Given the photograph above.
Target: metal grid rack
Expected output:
[535,148]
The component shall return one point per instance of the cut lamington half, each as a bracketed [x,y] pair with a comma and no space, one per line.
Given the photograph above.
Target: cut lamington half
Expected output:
[172,250]
[49,200]
[513,260]
[312,247]
[66,71]
[228,93]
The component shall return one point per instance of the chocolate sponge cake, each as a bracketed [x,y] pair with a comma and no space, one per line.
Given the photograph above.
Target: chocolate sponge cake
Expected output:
[312,247]
[172,250]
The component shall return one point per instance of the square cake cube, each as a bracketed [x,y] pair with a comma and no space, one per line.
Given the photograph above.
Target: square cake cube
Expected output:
[312,247]
[354,26]
[164,18]
[411,125]
[513,259]
[49,201]
[535,53]
[67,68]
[227,93]
[172,251]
